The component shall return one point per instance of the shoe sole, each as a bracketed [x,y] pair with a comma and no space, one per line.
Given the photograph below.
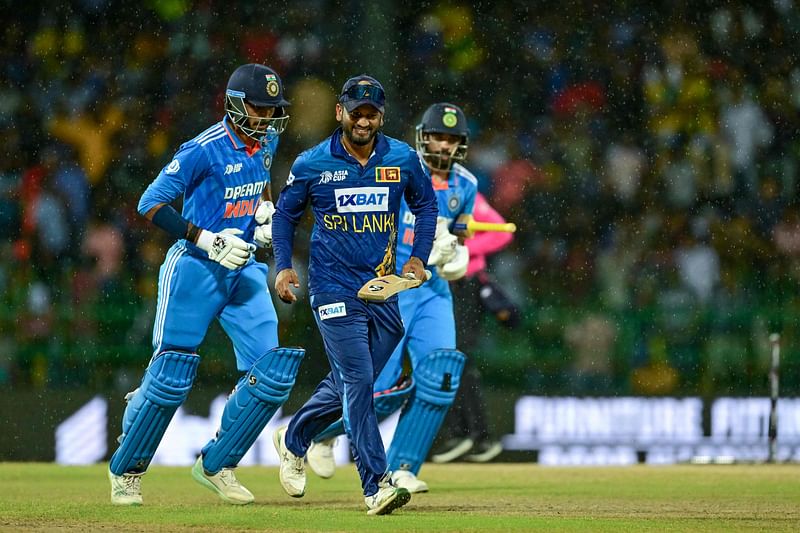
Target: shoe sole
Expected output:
[276,441]
[402,497]
[465,446]
[486,456]
[200,478]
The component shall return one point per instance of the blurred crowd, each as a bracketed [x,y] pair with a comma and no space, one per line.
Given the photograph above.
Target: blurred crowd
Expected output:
[649,155]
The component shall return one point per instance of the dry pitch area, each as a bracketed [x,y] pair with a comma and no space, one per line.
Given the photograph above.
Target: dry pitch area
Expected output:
[497,497]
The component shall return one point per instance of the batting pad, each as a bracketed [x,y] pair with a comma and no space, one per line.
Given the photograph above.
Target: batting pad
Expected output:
[256,398]
[164,388]
[386,402]
[437,377]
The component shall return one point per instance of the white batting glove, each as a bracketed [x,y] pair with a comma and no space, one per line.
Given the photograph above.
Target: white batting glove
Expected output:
[226,248]
[444,243]
[456,267]
[263,216]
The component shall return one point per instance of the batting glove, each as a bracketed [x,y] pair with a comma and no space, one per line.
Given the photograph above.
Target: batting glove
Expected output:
[444,244]
[263,233]
[226,248]
[456,267]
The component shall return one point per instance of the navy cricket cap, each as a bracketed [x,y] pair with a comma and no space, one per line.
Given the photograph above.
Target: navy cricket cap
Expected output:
[258,84]
[360,90]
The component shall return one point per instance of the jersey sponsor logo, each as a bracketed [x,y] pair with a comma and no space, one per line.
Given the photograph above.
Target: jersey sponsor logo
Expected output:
[387,174]
[241,208]
[232,168]
[362,199]
[336,175]
[248,189]
[332,310]
[173,167]
[409,218]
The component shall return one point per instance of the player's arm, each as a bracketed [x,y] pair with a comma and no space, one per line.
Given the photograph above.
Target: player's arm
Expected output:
[291,205]
[421,201]
[455,267]
[188,165]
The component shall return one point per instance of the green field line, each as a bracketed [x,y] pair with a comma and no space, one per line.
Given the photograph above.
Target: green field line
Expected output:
[497,497]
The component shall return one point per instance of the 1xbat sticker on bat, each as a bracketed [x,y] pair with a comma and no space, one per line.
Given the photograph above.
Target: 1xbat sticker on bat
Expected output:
[382,288]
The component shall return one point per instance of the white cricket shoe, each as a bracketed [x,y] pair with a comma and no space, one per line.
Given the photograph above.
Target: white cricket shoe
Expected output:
[320,458]
[126,489]
[223,483]
[407,480]
[387,499]
[292,469]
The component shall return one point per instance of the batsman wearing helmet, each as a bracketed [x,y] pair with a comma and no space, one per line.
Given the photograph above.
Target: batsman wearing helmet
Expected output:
[223,176]
[430,336]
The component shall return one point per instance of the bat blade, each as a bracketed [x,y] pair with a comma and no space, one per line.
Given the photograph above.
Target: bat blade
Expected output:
[382,288]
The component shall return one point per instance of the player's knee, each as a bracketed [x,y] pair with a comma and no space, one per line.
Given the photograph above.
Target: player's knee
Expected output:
[438,376]
[169,377]
[272,377]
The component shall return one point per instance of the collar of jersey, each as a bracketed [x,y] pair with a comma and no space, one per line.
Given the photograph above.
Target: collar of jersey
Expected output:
[338,150]
[237,142]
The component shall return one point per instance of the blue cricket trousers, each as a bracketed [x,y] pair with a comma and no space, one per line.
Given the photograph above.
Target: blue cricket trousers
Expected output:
[359,337]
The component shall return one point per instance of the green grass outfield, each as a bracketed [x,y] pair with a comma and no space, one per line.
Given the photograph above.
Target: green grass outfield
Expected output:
[495,497]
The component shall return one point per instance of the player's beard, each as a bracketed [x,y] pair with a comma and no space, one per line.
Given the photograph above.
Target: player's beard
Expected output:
[441,160]
[359,140]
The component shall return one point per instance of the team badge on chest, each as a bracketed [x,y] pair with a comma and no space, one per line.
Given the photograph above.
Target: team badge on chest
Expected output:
[387,174]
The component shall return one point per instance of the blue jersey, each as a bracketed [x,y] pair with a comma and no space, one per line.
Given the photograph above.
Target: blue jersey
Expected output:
[454,199]
[355,212]
[220,179]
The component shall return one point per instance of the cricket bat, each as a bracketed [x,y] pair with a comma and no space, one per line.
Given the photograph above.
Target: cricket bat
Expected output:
[381,288]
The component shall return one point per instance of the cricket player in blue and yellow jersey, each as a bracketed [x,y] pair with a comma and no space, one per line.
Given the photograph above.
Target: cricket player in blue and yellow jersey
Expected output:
[223,178]
[442,139]
[355,181]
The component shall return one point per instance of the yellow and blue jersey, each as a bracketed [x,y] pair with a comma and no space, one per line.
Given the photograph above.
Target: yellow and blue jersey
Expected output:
[356,211]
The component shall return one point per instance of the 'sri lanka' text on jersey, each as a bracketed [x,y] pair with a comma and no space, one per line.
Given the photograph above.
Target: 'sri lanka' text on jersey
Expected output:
[355,211]
[220,179]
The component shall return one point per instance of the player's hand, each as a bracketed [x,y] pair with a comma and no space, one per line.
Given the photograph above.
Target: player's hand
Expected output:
[284,281]
[226,248]
[444,244]
[263,216]
[415,267]
[456,267]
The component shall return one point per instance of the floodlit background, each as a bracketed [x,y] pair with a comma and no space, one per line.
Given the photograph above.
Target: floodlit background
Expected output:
[647,152]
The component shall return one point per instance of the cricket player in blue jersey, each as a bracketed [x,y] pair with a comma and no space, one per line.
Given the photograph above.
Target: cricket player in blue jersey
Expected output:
[430,336]
[355,181]
[223,176]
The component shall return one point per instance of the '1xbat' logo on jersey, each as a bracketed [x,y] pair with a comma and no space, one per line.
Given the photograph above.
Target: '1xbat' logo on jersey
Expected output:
[362,199]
